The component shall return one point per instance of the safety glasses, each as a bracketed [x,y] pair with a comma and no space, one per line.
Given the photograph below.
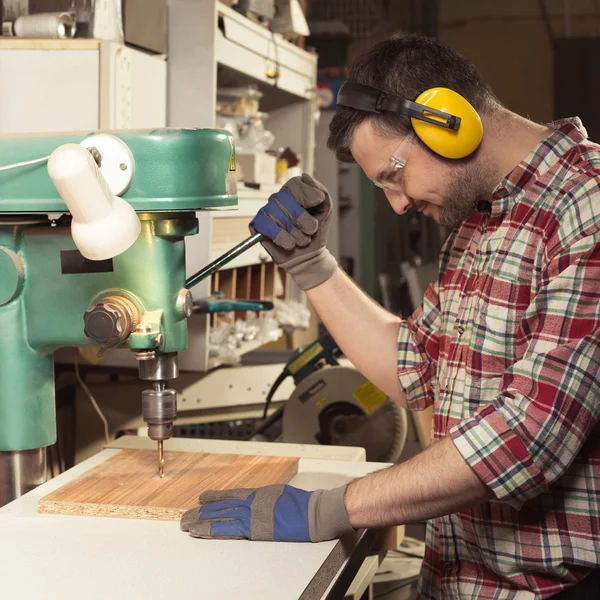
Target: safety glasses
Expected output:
[391,174]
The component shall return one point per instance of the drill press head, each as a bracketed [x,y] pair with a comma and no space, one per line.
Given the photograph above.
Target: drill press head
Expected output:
[92,253]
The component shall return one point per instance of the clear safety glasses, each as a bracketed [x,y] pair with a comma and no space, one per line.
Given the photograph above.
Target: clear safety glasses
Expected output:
[390,175]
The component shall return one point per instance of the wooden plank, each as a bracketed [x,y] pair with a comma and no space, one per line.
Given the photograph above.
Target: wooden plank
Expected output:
[127,486]
[242,291]
[227,285]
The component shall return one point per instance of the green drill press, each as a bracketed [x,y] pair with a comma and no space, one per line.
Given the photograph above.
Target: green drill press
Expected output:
[92,252]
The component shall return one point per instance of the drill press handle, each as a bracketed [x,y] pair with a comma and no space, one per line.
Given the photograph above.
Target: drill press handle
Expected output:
[104,225]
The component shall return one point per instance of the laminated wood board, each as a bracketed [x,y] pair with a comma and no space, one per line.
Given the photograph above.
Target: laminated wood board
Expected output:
[127,485]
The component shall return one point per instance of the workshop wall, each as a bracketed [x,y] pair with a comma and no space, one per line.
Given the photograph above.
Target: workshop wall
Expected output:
[509,43]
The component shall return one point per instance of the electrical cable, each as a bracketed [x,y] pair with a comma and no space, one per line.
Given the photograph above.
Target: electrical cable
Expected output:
[24,164]
[266,424]
[270,73]
[546,19]
[85,388]
[280,379]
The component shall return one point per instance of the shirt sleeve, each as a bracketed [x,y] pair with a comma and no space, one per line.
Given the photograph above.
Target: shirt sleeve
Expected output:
[418,349]
[549,401]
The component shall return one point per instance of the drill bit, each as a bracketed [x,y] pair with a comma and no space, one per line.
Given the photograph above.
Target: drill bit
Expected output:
[161,460]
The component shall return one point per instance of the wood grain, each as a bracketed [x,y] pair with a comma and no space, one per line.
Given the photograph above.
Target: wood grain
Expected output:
[127,486]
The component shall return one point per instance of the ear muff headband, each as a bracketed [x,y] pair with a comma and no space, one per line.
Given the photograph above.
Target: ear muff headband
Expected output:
[442,119]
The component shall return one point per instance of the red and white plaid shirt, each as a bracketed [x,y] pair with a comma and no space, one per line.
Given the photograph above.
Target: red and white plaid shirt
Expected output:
[507,347]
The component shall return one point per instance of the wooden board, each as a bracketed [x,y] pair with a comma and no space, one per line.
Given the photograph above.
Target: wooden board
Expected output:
[127,486]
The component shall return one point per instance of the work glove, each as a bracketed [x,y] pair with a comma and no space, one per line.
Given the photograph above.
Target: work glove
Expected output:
[295,222]
[276,513]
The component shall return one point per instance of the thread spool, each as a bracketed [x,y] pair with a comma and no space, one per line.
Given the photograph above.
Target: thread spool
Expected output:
[59,25]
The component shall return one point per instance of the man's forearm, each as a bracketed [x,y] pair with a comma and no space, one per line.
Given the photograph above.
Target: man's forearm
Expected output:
[436,482]
[366,332]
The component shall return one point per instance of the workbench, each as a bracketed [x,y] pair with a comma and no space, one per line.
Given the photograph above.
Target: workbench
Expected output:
[51,557]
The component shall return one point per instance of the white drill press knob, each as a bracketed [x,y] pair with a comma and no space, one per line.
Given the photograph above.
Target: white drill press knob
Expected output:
[103,225]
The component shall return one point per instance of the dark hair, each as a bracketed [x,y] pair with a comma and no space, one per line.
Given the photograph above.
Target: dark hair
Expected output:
[406,65]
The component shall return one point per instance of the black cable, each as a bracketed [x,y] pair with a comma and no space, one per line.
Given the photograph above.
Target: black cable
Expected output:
[266,424]
[546,19]
[398,587]
[280,379]
[277,66]
[276,72]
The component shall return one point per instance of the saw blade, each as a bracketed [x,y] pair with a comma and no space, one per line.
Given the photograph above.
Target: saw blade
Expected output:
[339,406]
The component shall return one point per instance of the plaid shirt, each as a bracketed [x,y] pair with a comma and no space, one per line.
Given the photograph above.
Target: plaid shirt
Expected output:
[506,346]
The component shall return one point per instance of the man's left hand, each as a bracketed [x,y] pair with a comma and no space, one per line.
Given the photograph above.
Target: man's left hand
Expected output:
[279,513]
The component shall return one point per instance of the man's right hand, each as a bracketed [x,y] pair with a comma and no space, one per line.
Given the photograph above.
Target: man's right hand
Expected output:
[296,220]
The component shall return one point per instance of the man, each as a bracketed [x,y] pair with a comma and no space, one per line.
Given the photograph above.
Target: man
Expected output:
[505,345]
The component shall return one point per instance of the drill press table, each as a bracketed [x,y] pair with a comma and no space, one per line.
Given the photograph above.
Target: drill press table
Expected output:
[62,557]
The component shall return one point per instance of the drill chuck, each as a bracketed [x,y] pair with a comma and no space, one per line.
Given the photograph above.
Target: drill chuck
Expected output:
[159,410]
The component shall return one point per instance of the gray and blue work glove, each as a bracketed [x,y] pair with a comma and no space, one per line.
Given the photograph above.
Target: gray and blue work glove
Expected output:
[275,513]
[296,220]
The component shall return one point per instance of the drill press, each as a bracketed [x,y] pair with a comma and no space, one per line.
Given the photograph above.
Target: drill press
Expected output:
[92,252]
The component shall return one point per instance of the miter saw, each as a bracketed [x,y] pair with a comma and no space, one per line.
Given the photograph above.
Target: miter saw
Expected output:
[336,405]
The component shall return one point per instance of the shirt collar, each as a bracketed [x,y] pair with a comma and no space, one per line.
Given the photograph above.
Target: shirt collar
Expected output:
[567,133]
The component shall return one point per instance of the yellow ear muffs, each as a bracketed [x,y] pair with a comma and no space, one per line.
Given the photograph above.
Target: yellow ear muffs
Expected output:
[446,142]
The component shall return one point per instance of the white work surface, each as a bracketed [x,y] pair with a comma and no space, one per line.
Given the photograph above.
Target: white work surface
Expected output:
[50,557]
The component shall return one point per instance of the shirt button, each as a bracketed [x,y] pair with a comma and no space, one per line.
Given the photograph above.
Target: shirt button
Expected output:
[483,207]
[448,566]
[460,330]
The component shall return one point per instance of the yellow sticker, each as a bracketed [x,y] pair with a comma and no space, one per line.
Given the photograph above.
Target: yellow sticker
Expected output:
[305,358]
[369,396]
[232,162]
[322,402]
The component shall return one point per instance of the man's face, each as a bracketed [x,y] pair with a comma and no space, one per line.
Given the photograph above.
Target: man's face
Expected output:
[447,193]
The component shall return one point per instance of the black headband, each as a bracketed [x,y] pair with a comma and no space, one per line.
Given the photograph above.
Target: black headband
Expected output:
[370,99]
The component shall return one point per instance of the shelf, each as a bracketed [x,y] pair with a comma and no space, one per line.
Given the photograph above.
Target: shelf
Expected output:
[213,46]
[246,347]
[13,43]
[250,193]
[252,50]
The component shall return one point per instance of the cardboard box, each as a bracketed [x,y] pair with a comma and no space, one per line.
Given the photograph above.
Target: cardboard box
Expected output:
[145,24]
[255,168]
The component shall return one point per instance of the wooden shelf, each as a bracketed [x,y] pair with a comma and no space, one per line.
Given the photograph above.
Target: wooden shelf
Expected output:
[13,43]
[252,282]
[213,46]
[248,48]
